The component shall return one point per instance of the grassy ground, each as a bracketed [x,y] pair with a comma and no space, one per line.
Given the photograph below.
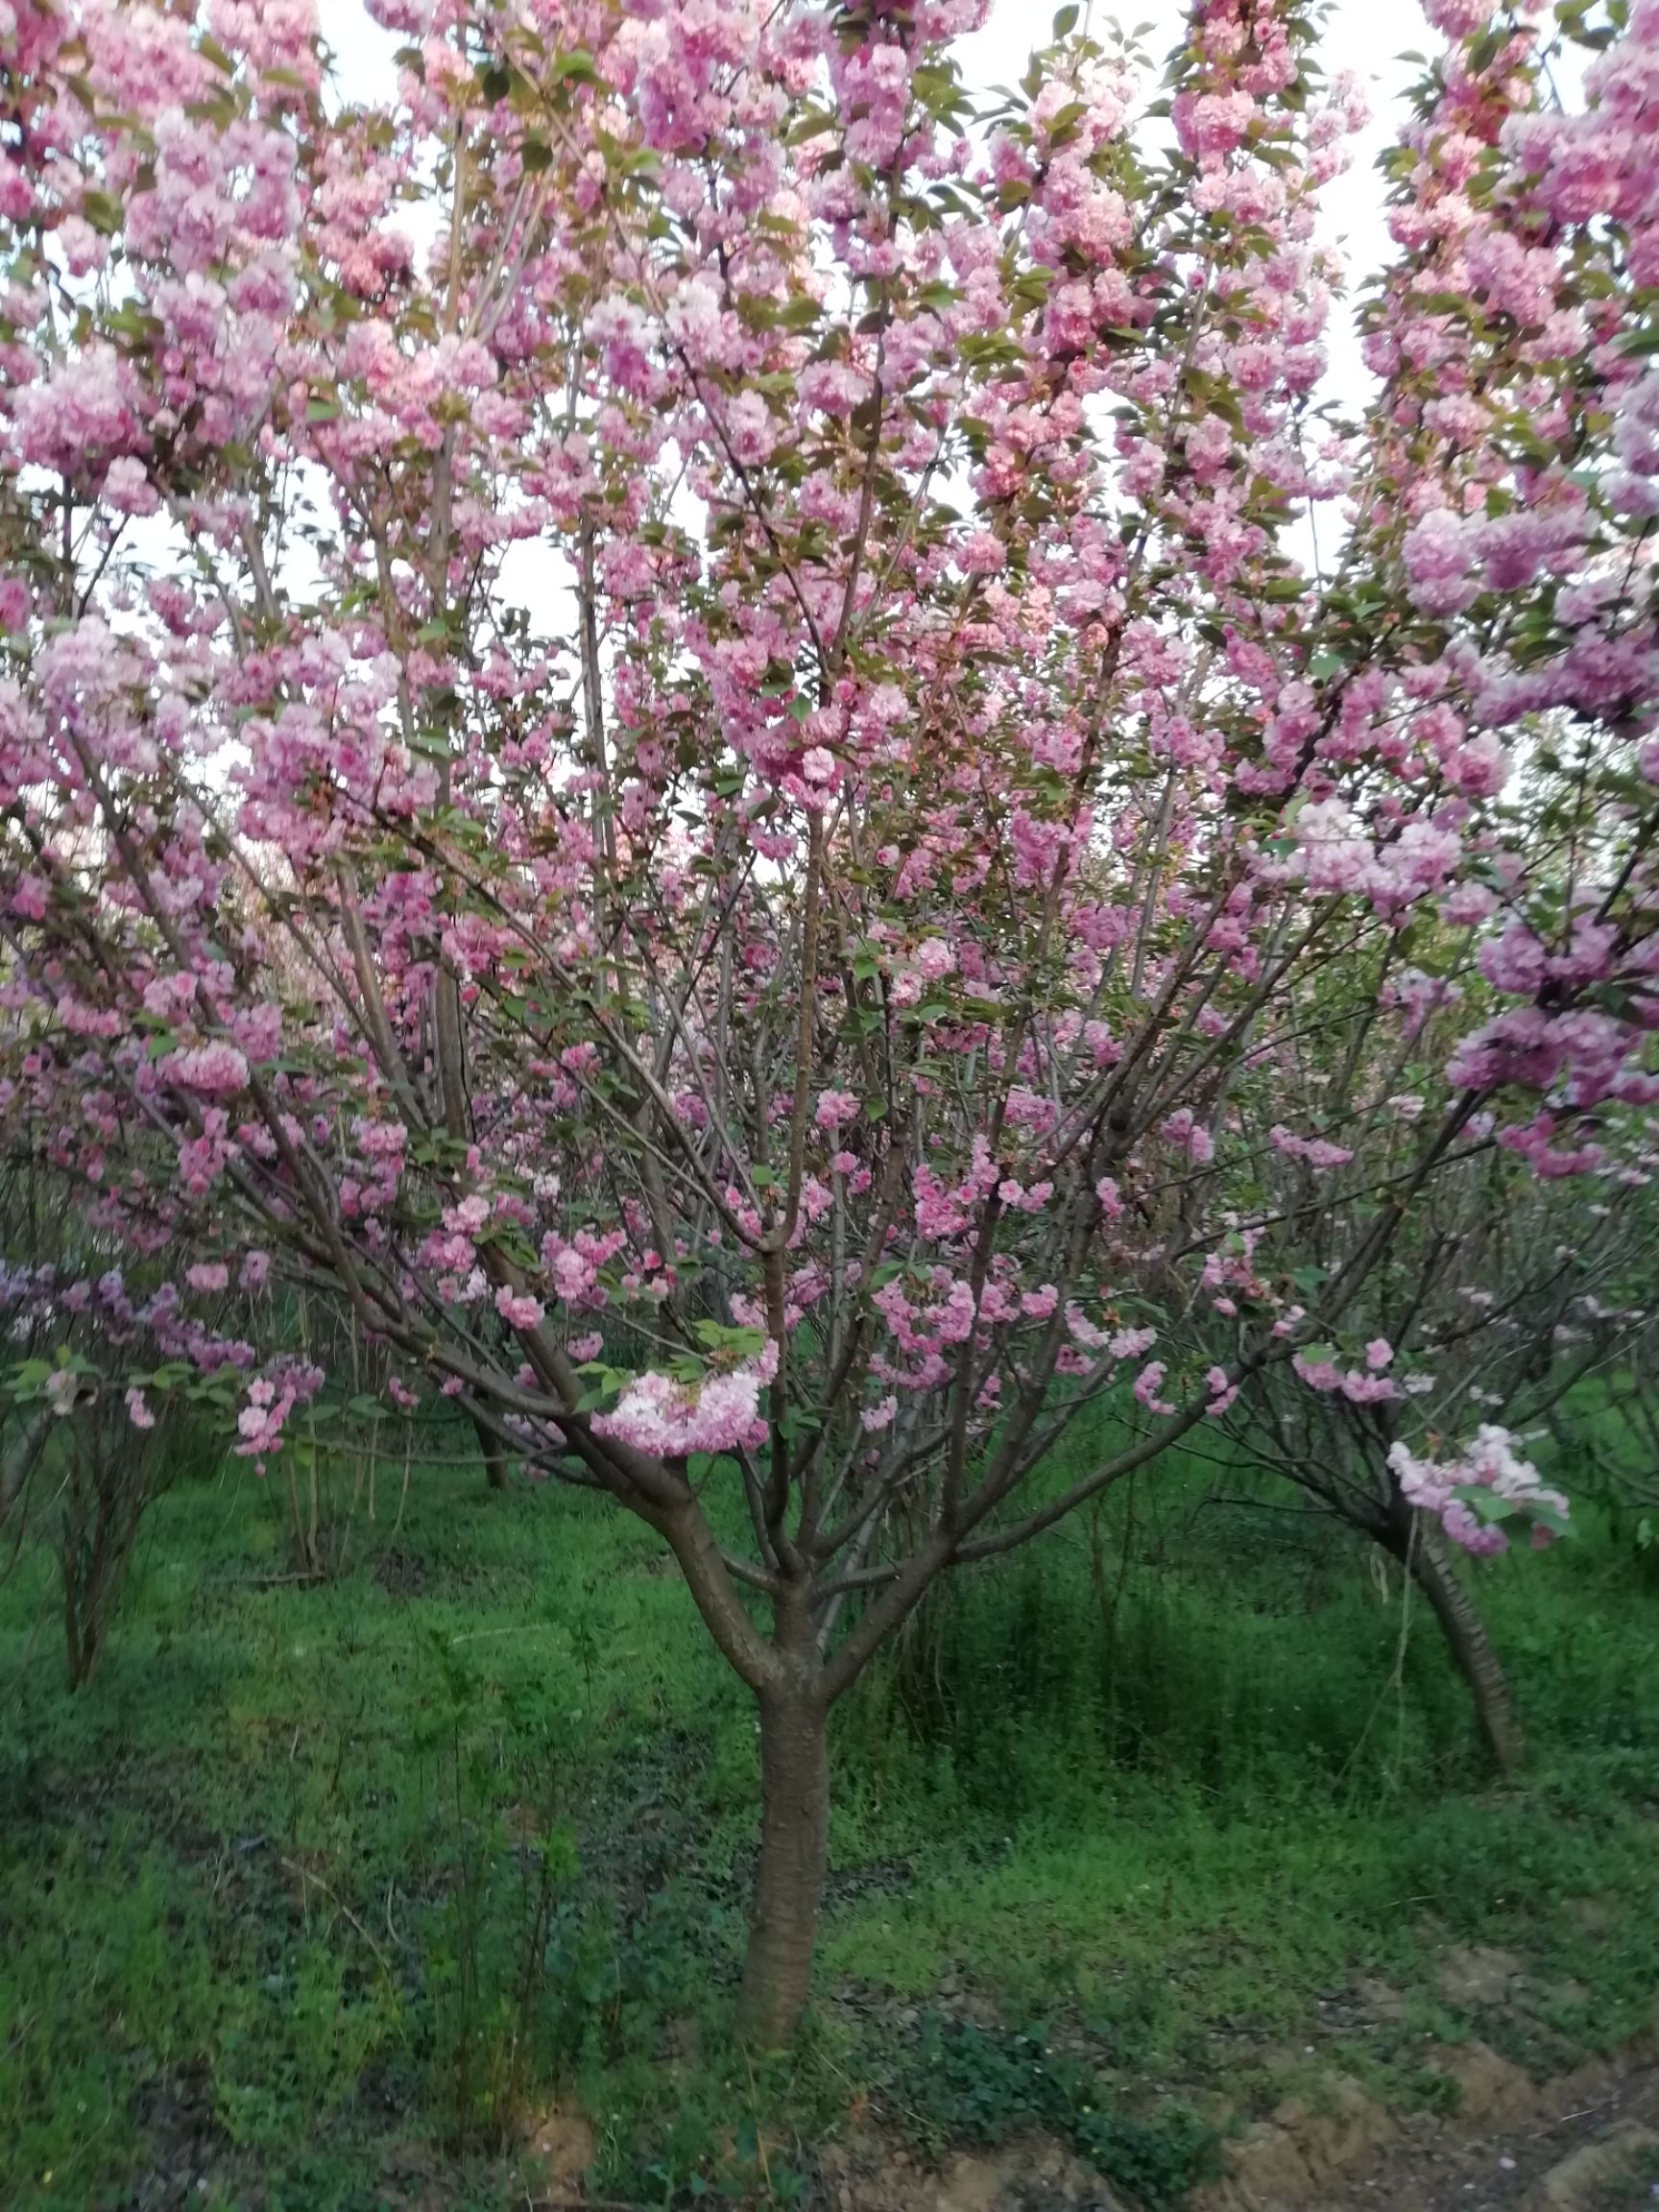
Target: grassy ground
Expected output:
[325,1894]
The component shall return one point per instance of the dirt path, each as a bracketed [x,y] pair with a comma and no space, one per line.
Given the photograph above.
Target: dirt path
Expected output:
[1587,2142]
[1584,2144]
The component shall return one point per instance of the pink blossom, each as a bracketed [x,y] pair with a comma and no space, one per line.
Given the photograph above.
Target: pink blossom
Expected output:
[1438,554]
[127,488]
[1147,1384]
[216,1070]
[1488,1463]
[1185,1130]
[672,1420]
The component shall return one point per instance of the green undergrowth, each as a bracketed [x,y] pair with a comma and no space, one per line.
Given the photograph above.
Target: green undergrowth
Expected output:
[324,1896]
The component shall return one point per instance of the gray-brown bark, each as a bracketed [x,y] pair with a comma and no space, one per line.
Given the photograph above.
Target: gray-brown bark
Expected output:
[789,1878]
[1428,1561]
[497,1467]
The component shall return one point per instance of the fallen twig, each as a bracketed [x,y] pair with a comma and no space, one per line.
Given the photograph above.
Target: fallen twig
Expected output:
[1583,2113]
[580,2204]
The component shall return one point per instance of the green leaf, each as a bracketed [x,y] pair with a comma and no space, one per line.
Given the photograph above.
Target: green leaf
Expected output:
[720,1338]
[102,210]
[577,68]
[1486,1504]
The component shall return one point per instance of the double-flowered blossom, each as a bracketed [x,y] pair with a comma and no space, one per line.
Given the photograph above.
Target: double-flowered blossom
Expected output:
[1472,1492]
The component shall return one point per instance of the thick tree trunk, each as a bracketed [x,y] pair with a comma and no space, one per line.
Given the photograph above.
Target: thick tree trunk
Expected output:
[789,1879]
[1453,1607]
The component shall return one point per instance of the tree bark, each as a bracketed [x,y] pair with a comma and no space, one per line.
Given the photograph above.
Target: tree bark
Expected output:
[493,1454]
[1465,1631]
[794,1852]
[1454,1606]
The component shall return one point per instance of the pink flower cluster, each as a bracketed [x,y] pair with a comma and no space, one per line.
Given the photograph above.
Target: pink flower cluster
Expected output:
[672,1420]
[1489,1466]
[1317,1151]
[1367,1386]
[272,1396]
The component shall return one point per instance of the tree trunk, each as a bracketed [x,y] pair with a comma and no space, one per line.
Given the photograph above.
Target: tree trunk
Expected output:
[17,1462]
[1454,1606]
[493,1454]
[794,1851]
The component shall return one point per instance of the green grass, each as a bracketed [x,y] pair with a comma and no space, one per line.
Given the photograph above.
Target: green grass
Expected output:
[323,1892]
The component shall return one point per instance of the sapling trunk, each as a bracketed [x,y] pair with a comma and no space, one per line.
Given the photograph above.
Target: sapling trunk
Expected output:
[1452,1604]
[1425,1556]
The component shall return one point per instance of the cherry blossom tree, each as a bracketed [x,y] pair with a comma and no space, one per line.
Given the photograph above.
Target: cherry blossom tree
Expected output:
[1505,1300]
[670,723]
